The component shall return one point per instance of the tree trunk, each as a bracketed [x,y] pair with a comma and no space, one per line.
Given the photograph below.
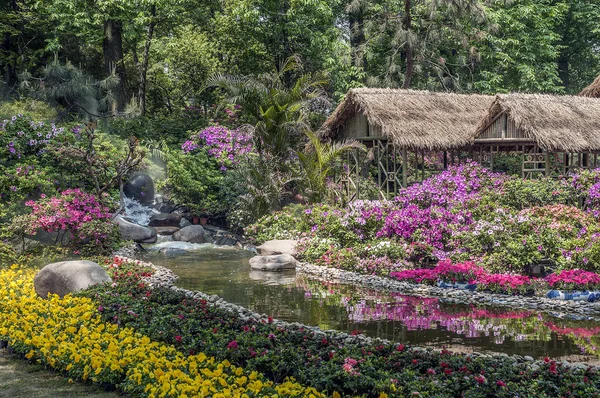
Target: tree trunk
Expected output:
[10,74]
[113,61]
[408,49]
[145,60]
[357,37]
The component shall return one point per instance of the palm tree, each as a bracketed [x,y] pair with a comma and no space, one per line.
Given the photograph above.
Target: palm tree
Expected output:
[280,109]
[319,160]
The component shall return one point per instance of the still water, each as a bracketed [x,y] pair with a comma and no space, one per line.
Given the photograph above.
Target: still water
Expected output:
[393,316]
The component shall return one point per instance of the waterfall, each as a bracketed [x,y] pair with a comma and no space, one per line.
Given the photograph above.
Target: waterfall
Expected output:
[137,212]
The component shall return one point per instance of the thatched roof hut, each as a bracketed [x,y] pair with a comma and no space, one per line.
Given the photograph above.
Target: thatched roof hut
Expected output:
[555,123]
[593,90]
[416,120]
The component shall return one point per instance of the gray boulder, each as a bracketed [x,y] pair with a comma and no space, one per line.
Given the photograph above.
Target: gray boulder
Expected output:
[166,230]
[278,246]
[190,234]
[276,262]
[184,222]
[141,188]
[68,277]
[165,220]
[135,232]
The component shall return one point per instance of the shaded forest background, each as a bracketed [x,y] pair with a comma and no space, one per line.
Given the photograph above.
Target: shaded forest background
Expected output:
[156,57]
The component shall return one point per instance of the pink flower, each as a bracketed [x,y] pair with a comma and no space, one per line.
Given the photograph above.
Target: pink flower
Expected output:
[233,345]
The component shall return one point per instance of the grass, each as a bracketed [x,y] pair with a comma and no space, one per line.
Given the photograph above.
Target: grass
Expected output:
[21,378]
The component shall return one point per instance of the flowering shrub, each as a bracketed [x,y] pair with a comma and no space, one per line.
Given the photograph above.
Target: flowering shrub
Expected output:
[226,145]
[505,283]
[21,137]
[466,272]
[69,336]
[75,212]
[574,280]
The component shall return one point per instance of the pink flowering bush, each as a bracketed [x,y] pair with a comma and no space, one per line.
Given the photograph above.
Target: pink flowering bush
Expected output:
[423,275]
[506,283]
[466,272]
[575,279]
[76,213]
[226,145]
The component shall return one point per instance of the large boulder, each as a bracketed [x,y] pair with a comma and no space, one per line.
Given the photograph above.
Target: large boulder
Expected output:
[141,188]
[165,220]
[68,277]
[278,262]
[135,232]
[278,246]
[190,234]
[166,230]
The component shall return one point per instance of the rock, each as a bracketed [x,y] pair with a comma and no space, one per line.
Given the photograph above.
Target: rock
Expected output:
[165,220]
[191,234]
[166,230]
[282,246]
[140,187]
[184,222]
[68,277]
[275,262]
[135,232]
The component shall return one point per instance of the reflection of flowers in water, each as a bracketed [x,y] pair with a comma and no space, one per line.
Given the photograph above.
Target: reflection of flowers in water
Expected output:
[422,313]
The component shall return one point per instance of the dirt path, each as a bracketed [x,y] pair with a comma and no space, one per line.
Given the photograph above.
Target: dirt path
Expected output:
[21,379]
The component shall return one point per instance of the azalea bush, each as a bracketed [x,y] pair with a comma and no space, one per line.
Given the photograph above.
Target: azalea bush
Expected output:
[225,145]
[574,280]
[506,283]
[79,219]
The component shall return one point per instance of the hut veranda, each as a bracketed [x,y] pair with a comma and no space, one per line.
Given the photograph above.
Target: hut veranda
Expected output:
[412,134]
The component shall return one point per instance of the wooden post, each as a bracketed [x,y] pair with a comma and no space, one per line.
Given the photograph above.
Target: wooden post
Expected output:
[445,160]
[404,165]
[422,165]
[547,157]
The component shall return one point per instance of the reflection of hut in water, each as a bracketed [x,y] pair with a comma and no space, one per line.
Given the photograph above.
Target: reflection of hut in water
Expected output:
[551,135]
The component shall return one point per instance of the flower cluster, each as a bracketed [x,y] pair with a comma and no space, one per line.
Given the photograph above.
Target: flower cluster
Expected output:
[69,211]
[81,215]
[574,280]
[20,136]
[68,335]
[226,145]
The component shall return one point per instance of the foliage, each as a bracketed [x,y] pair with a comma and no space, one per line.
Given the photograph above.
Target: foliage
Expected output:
[194,181]
[280,109]
[318,162]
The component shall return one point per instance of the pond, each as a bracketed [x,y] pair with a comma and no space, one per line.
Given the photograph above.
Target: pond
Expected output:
[408,319]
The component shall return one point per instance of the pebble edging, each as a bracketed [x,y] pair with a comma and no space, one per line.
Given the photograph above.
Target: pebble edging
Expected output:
[165,278]
[584,310]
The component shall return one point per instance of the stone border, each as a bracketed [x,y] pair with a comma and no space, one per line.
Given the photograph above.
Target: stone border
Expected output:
[590,311]
[167,277]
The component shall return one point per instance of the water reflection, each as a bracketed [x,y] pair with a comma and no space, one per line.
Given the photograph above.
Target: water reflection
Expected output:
[397,317]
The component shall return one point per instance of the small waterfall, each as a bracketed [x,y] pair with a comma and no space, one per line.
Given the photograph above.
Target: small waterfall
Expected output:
[137,212]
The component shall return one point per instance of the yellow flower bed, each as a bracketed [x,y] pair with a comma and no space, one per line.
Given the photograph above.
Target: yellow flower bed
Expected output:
[67,335]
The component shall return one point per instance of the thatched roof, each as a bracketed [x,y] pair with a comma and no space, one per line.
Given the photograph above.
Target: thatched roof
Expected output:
[562,123]
[414,119]
[593,90]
